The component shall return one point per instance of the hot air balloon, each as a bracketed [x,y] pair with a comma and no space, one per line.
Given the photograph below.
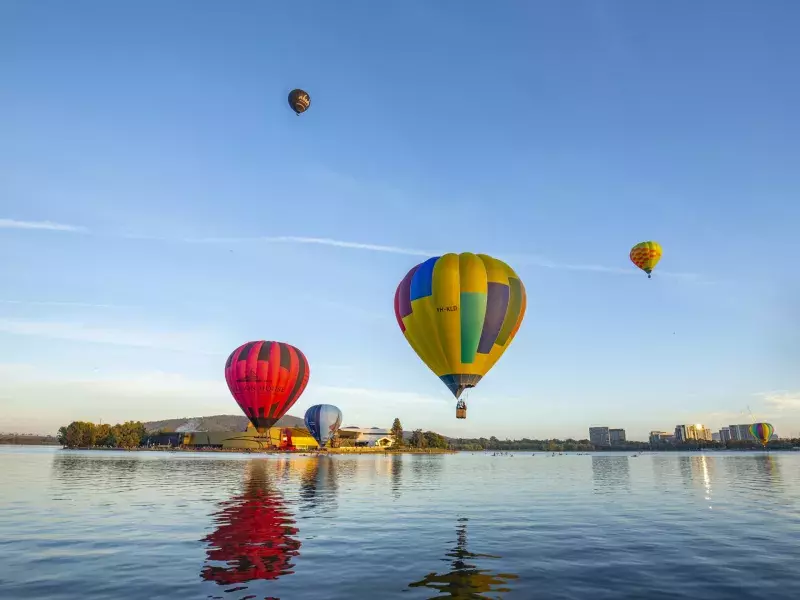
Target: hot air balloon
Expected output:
[762,432]
[323,421]
[266,379]
[459,312]
[646,255]
[299,101]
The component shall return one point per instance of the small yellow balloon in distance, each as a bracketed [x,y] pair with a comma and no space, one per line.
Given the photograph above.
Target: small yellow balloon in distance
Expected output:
[646,255]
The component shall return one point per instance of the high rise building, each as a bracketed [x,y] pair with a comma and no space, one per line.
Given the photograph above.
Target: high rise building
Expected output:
[715,437]
[741,433]
[725,434]
[702,433]
[660,437]
[599,436]
[686,433]
[616,436]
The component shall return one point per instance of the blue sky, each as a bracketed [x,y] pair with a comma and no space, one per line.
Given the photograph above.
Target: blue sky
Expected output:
[161,205]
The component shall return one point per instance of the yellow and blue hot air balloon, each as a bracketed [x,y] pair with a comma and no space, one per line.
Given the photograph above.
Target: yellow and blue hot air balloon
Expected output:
[646,255]
[459,312]
[762,432]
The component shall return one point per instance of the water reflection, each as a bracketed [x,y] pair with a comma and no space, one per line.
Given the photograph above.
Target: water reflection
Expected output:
[319,483]
[72,468]
[397,474]
[756,471]
[610,473]
[254,533]
[464,581]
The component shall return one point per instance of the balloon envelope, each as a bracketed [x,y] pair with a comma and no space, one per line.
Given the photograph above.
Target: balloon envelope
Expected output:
[459,312]
[266,378]
[299,100]
[323,421]
[762,432]
[646,255]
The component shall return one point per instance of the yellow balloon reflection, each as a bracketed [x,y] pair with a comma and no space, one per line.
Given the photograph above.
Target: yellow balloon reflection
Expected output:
[464,581]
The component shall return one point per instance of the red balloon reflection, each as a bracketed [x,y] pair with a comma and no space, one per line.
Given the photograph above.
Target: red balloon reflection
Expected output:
[254,535]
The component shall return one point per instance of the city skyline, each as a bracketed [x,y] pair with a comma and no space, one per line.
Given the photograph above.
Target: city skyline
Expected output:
[161,205]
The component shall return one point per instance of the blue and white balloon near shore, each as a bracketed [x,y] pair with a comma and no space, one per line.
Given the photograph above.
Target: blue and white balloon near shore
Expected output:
[323,421]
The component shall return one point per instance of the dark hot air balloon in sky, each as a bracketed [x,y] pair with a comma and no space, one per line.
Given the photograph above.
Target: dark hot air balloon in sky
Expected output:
[299,101]
[266,379]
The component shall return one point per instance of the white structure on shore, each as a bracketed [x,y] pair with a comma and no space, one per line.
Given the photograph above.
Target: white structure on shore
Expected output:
[370,437]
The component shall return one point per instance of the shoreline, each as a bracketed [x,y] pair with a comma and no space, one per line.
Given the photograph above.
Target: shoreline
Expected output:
[276,451]
[385,451]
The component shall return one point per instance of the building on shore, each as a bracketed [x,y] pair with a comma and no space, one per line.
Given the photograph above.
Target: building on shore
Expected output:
[725,435]
[740,433]
[616,436]
[661,437]
[599,436]
[687,433]
[249,439]
[715,437]
[370,437]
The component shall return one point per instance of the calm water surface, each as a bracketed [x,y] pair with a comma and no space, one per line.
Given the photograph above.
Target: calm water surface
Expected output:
[91,525]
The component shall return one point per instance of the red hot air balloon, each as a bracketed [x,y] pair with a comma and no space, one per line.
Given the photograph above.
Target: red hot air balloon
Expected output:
[266,379]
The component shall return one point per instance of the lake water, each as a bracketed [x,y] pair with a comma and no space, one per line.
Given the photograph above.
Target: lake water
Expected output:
[142,525]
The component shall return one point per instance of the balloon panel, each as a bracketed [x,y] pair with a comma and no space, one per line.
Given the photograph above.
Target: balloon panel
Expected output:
[646,255]
[459,312]
[323,421]
[266,378]
[762,432]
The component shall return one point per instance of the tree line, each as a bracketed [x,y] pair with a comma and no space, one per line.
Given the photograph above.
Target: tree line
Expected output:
[430,439]
[84,434]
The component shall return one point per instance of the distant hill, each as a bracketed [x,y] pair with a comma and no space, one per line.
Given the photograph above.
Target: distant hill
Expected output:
[215,423]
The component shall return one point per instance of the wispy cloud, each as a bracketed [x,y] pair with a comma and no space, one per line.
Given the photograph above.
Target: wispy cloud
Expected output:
[781,400]
[64,304]
[81,332]
[516,259]
[290,239]
[44,225]
[380,396]
[113,397]
[546,263]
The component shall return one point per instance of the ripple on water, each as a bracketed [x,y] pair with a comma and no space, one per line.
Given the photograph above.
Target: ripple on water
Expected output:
[94,525]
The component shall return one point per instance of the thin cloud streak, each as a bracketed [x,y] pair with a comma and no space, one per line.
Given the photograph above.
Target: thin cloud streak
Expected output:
[41,225]
[291,239]
[78,332]
[517,259]
[64,303]
[781,400]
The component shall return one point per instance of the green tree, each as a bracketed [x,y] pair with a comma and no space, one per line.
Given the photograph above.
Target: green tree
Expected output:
[102,435]
[434,440]
[62,436]
[80,434]
[397,433]
[417,439]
